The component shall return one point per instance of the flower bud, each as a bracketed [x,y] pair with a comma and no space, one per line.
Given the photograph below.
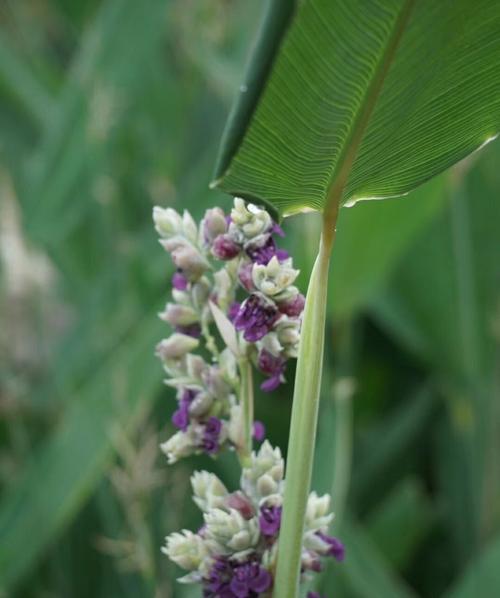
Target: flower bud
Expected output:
[317,512]
[225,248]
[229,532]
[189,227]
[167,221]
[179,315]
[273,278]
[186,549]
[178,446]
[267,464]
[245,276]
[190,260]
[201,404]
[293,306]
[209,491]
[200,293]
[176,346]
[251,220]
[239,502]
[213,225]
[223,289]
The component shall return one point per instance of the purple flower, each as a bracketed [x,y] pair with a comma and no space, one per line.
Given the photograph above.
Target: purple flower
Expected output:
[225,248]
[336,548]
[314,595]
[272,366]
[211,434]
[259,430]
[234,308]
[180,417]
[270,520]
[179,281]
[256,317]
[217,583]
[261,251]
[249,578]
[293,307]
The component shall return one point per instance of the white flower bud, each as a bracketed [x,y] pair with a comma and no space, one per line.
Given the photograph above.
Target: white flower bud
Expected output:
[190,261]
[201,404]
[167,221]
[182,297]
[195,366]
[228,365]
[287,333]
[251,220]
[179,445]
[229,532]
[178,315]
[201,292]
[268,465]
[224,289]
[189,227]
[176,346]
[317,512]
[273,278]
[185,549]
[266,485]
[271,343]
[213,224]
[209,491]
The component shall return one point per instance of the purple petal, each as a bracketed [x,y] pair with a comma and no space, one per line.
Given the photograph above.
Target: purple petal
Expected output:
[294,307]
[272,383]
[262,581]
[225,248]
[179,281]
[277,230]
[259,430]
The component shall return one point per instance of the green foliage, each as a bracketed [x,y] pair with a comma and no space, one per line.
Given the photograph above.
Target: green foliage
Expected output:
[413,316]
[366,100]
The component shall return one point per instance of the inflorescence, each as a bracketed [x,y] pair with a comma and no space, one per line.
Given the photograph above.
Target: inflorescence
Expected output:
[234,303]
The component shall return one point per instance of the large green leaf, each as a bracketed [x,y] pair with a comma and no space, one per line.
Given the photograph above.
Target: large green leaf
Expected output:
[366,99]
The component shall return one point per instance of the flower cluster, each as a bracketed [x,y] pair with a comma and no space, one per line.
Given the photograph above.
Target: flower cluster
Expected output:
[253,291]
[234,553]
[234,303]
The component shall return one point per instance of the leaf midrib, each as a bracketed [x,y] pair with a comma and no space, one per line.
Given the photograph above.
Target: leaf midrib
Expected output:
[360,122]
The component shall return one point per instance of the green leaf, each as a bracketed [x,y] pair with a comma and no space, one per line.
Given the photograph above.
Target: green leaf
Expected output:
[482,577]
[104,80]
[365,570]
[408,508]
[442,302]
[367,99]
[64,471]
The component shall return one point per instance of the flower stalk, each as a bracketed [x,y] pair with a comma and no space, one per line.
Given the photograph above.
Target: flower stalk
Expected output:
[246,402]
[304,419]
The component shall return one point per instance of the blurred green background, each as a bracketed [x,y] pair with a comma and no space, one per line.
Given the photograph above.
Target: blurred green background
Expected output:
[108,107]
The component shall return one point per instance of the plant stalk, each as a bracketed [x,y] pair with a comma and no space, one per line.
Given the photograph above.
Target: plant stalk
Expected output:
[246,402]
[304,418]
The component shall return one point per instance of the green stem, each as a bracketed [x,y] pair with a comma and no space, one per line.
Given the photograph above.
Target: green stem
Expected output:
[304,419]
[246,402]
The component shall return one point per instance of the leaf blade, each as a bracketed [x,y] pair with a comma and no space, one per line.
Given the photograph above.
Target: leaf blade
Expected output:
[333,122]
